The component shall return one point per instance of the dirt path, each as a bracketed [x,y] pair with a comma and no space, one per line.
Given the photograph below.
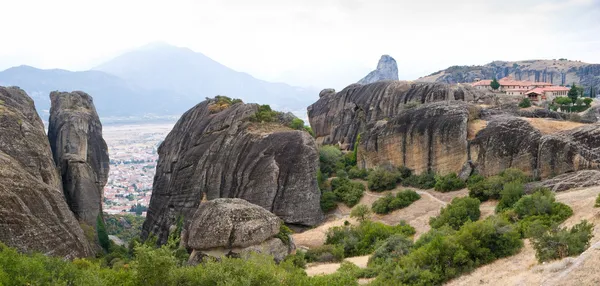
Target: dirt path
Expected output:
[313,269]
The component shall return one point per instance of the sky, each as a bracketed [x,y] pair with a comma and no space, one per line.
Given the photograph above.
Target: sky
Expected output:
[311,43]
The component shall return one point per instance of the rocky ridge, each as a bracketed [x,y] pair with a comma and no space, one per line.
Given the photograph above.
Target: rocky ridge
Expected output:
[225,155]
[387,69]
[33,213]
[79,151]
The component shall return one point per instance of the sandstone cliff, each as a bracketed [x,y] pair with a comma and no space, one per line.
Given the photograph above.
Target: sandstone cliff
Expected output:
[80,153]
[558,72]
[33,213]
[225,155]
[387,69]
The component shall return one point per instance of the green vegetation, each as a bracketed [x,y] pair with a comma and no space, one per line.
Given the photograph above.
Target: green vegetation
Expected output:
[221,103]
[457,213]
[391,250]
[597,204]
[450,182]
[381,180]
[573,93]
[557,243]
[330,160]
[390,202]
[126,227]
[425,180]
[525,103]
[495,85]
[284,234]
[265,114]
[490,188]
[325,253]
[328,201]
[364,238]
[297,124]
[102,234]
[361,213]
[356,173]
[510,194]
[537,211]
[347,191]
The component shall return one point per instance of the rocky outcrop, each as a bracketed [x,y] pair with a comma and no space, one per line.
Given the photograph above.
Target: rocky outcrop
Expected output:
[225,155]
[432,137]
[33,213]
[80,153]
[338,118]
[506,142]
[234,227]
[387,69]
[580,179]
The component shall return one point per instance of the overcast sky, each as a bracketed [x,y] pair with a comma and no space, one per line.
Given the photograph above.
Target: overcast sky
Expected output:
[316,43]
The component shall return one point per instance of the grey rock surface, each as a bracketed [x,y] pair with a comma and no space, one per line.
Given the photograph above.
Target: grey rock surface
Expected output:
[79,151]
[34,215]
[387,69]
[567,181]
[225,155]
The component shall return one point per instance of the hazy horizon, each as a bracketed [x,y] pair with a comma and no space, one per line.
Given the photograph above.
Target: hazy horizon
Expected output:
[310,43]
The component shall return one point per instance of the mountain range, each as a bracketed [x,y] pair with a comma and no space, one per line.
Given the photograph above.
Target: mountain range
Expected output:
[157,79]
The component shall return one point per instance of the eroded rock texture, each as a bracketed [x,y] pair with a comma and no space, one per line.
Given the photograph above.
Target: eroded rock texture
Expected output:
[33,213]
[224,155]
[80,153]
[432,137]
[580,179]
[387,69]
[338,118]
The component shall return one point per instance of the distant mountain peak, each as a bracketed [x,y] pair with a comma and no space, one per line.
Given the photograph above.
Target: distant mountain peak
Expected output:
[387,69]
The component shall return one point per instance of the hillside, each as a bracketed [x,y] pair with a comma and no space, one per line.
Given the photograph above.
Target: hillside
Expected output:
[558,72]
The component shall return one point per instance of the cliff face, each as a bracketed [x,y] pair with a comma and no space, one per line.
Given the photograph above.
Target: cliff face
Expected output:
[558,72]
[338,118]
[432,137]
[224,155]
[33,213]
[80,152]
[387,69]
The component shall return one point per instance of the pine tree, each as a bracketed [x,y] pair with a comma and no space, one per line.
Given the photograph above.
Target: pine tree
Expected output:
[495,84]
[573,93]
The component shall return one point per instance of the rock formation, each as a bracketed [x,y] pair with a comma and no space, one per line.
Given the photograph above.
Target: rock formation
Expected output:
[568,181]
[387,69]
[80,153]
[226,155]
[234,227]
[33,213]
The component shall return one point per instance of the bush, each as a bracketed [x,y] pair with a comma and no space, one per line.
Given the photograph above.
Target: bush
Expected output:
[284,234]
[381,180]
[510,194]
[597,204]
[587,101]
[325,253]
[425,180]
[356,173]
[221,103]
[538,210]
[450,182]
[365,237]
[361,213]
[525,103]
[329,157]
[490,188]
[347,191]
[328,200]
[559,243]
[297,124]
[457,213]
[391,250]
[390,202]
[265,114]
[102,234]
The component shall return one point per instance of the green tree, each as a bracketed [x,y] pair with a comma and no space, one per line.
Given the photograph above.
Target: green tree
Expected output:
[361,212]
[102,234]
[573,93]
[525,103]
[457,213]
[495,84]
[297,124]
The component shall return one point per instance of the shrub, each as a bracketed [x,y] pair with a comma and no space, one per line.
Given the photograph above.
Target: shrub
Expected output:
[329,157]
[559,243]
[392,249]
[347,191]
[525,103]
[265,114]
[490,188]
[425,180]
[325,253]
[328,200]
[404,172]
[221,103]
[102,234]
[587,101]
[365,237]
[309,130]
[457,213]
[297,259]
[510,194]
[361,213]
[537,210]
[450,182]
[390,202]
[297,124]
[381,180]
[356,173]
[597,204]
[284,234]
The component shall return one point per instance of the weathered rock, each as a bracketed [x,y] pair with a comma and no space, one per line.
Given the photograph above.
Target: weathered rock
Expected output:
[33,213]
[224,155]
[571,150]
[387,69]
[326,91]
[80,153]
[234,227]
[432,137]
[506,142]
[339,118]
[580,179]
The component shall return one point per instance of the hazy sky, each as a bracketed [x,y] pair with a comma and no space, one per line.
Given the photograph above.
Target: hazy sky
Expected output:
[310,42]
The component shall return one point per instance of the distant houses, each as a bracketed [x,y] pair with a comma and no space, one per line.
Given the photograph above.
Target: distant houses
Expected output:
[535,91]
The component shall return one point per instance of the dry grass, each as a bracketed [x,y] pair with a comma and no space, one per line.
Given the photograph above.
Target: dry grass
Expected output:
[549,126]
[474,127]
